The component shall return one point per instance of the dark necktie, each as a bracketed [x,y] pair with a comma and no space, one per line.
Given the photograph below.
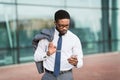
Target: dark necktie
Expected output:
[57,57]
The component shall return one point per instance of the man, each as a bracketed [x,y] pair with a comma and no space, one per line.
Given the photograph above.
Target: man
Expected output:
[61,54]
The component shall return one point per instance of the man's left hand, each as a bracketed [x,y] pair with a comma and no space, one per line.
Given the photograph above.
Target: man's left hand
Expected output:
[73,60]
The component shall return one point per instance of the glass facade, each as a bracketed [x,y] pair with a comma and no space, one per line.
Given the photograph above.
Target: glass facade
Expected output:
[95,22]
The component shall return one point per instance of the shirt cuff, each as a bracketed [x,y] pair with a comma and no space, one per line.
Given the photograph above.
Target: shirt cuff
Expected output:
[45,56]
[79,64]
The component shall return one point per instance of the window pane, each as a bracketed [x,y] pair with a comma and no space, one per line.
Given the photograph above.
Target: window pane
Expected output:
[11,1]
[115,25]
[118,3]
[32,19]
[8,26]
[84,3]
[88,28]
[88,23]
[26,54]
[43,2]
[7,34]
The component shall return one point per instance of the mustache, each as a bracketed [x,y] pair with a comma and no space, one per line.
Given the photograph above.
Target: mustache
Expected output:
[63,32]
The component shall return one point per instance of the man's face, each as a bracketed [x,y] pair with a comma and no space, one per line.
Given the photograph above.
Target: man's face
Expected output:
[62,25]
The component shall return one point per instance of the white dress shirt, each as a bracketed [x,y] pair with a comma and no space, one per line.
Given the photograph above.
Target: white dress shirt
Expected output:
[71,45]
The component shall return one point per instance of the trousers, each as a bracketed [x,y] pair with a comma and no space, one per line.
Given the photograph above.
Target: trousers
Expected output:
[64,76]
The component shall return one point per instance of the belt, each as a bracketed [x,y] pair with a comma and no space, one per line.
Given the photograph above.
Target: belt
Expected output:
[61,72]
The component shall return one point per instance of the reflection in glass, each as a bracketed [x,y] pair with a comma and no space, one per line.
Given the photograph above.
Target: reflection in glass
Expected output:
[89,20]
[31,19]
[33,15]
[43,2]
[8,1]
[84,3]
[114,24]
[7,33]
[7,19]
[88,28]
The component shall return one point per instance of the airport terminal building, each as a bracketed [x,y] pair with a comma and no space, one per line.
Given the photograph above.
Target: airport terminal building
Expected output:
[95,22]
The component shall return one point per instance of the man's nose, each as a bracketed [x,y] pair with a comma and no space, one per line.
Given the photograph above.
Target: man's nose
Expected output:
[65,28]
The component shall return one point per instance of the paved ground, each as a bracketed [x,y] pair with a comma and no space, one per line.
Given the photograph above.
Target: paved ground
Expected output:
[96,67]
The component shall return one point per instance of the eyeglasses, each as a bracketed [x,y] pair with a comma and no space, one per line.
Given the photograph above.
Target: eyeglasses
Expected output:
[63,26]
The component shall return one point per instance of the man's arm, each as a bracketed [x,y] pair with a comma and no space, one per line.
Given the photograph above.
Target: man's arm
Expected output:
[77,58]
[44,49]
[40,52]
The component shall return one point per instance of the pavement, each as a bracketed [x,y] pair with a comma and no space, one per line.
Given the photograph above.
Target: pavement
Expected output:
[103,66]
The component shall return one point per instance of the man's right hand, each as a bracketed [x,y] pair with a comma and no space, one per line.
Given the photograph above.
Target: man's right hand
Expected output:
[51,49]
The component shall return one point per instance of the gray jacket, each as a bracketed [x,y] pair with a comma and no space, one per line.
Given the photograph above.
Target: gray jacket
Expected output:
[44,34]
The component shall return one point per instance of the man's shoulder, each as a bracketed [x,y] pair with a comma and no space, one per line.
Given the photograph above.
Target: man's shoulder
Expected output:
[47,33]
[72,34]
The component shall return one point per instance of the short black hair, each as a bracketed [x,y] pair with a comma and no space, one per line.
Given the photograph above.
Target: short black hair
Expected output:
[61,14]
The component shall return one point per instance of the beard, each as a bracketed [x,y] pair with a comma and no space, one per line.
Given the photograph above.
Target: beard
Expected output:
[63,32]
